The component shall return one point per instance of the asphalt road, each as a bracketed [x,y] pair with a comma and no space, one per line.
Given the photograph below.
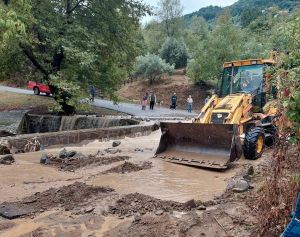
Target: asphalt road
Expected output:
[129,108]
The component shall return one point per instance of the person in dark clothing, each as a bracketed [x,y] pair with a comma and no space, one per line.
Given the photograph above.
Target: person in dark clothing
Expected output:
[152,100]
[174,101]
[92,92]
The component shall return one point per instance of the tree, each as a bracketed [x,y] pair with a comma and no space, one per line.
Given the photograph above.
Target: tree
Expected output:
[224,43]
[174,52]
[197,32]
[76,41]
[169,13]
[154,36]
[151,67]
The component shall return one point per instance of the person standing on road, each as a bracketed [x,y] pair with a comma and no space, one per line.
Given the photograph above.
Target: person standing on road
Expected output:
[92,92]
[174,101]
[152,100]
[189,101]
[144,101]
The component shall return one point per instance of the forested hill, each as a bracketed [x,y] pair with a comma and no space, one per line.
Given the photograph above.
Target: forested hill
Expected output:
[243,7]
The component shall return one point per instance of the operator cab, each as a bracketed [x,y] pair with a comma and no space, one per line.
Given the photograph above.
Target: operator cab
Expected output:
[245,76]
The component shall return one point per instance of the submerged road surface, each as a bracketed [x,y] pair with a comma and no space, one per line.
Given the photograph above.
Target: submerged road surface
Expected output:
[129,108]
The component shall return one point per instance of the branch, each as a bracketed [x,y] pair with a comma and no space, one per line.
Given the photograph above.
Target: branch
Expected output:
[6,2]
[69,11]
[28,52]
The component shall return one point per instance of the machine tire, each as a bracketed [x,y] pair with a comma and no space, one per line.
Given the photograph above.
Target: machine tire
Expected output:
[271,140]
[36,91]
[254,143]
[47,94]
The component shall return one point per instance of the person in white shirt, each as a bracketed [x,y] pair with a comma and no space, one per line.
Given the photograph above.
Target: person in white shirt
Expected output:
[189,101]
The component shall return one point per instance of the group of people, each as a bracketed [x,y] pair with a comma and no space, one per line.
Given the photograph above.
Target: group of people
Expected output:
[152,99]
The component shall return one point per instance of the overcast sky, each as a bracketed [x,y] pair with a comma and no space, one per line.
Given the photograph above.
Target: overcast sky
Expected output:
[193,5]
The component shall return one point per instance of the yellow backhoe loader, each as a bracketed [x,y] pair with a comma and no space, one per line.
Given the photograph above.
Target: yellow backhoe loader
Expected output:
[237,120]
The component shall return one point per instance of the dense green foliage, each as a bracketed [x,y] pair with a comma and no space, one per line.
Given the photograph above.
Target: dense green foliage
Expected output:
[78,41]
[174,52]
[208,13]
[289,72]
[243,10]
[151,67]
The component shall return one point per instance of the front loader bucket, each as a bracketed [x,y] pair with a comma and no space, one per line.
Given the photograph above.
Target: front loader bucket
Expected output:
[212,146]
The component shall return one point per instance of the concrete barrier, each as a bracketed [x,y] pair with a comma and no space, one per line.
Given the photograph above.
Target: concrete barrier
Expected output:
[77,136]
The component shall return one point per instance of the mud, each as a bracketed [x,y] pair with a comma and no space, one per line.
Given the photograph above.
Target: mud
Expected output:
[67,197]
[79,161]
[129,167]
[152,202]
[141,204]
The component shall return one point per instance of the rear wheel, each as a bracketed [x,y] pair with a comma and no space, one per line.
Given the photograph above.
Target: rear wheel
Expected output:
[36,91]
[254,143]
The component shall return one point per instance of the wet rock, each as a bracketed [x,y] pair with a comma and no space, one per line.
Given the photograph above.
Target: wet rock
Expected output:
[44,159]
[112,150]
[66,154]
[7,159]
[190,204]
[159,212]
[201,208]
[4,150]
[116,143]
[240,186]
[5,133]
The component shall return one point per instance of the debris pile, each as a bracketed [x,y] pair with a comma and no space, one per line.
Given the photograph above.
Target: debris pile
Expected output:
[128,167]
[67,197]
[72,160]
[136,203]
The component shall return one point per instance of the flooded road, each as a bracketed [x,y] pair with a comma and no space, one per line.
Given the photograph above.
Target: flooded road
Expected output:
[164,180]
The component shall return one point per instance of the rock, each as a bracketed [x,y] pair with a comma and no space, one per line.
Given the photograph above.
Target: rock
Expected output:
[71,153]
[139,149]
[240,186]
[89,209]
[4,150]
[79,155]
[63,153]
[201,208]
[5,133]
[7,159]
[190,204]
[250,170]
[159,212]
[44,159]
[66,154]
[137,218]
[112,150]
[116,143]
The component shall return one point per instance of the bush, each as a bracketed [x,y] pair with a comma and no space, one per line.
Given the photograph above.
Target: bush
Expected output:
[174,52]
[151,67]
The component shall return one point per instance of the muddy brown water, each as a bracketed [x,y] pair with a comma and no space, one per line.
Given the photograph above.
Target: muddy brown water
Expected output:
[164,180]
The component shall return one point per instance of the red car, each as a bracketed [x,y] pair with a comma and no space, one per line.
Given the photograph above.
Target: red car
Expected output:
[38,88]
